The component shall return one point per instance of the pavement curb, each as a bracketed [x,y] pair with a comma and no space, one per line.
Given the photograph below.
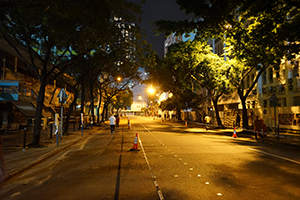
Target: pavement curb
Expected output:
[44,157]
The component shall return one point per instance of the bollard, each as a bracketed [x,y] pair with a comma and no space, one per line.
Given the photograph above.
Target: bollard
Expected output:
[56,132]
[278,131]
[51,131]
[24,139]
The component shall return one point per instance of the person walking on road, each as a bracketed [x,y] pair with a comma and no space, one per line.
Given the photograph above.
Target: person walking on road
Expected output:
[207,121]
[117,121]
[258,128]
[112,123]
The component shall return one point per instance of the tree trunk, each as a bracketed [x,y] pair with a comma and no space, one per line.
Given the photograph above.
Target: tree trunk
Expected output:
[178,112]
[38,114]
[98,110]
[82,97]
[92,102]
[71,107]
[106,112]
[244,111]
[215,102]
[103,113]
[82,100]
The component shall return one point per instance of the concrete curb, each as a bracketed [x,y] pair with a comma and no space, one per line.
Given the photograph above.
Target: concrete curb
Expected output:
[44,157]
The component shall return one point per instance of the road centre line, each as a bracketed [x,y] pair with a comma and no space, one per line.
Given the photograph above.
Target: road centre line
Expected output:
[161,197]
[180,159]
[270,154]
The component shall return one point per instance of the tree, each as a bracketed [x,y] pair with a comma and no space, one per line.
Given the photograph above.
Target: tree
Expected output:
[256,30]
[208,69]
[123,99]
[173,80]
[63,32]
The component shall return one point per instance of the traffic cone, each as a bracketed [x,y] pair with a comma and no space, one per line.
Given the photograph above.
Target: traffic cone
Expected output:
[185,123]
[234,133]
[135,145]
[129,126]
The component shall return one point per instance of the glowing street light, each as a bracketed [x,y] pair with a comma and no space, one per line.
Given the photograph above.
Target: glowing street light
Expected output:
[118,78]
[151,90]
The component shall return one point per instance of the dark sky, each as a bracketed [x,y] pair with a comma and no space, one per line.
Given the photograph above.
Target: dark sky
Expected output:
[154,10]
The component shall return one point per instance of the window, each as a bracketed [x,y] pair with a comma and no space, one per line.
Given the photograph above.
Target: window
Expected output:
[271,75]
[295,71]
[277,74]
[253,104]
[264,78]
[283,102]
[279,103]
[265,103]
[297,101]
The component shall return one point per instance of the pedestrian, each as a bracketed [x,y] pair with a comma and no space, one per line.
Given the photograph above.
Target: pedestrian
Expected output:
[264,127]
[258,128]
[112,123]
[238,120]
[207,121]
[118,120]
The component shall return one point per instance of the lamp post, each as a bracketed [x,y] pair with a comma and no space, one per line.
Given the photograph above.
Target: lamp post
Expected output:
[274,100]
[151,91]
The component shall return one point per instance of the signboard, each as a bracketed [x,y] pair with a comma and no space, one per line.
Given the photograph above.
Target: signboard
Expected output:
[9,91]
[62,96]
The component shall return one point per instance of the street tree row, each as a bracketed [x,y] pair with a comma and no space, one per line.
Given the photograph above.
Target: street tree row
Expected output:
[258,35]
[91,41]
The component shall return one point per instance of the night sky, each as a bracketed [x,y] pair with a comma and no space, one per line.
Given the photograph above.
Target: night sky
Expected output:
[154,10]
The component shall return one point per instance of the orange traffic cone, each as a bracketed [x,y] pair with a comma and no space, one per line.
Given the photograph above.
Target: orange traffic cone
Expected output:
[185,123]
[135,145]
[129,126]
[234,133]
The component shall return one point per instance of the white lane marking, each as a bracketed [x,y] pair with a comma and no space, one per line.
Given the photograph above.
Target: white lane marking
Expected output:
[175,176]
[15,194]
[44,180]
[270,154]
[161,197]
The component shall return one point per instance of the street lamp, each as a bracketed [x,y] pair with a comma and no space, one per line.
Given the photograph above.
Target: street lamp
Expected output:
[151,90]
[119,79]
[227,27]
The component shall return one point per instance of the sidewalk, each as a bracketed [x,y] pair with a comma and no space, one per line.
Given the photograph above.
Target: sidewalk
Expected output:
[17,159]
[284,137]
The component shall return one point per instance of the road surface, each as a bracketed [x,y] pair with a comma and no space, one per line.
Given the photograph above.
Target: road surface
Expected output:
[174,162]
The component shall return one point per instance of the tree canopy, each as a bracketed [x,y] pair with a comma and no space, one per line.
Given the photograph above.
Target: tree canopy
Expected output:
[55,34]
[258,33]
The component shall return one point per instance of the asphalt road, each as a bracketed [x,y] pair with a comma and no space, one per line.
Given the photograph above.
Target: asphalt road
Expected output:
[174,162]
